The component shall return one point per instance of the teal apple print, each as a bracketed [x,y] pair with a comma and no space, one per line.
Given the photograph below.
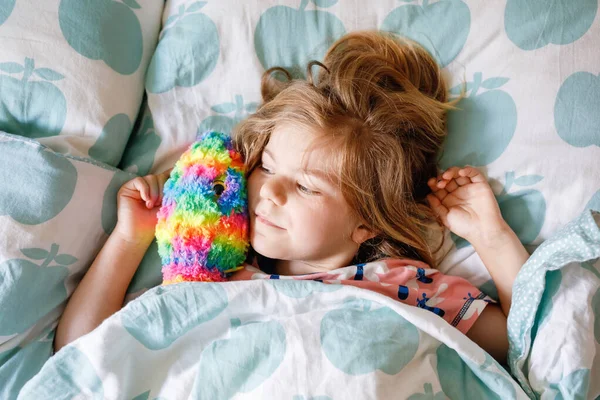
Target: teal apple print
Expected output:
[112,141]
[6,7]
[594,203]
[482,127]
[532,24]
[31,108]
[104,30]
[20,364]
[290,38]
[224,123]
[72,376]
[26,167]
[141,148]
[31,289]
[187,52]
[441,28]
[359,340]
[573,386]
[242,362]
[108,214]
[149,272]
[158,323]
[300,288]
[576,108]
[459,381]
[428,395]
[523,210]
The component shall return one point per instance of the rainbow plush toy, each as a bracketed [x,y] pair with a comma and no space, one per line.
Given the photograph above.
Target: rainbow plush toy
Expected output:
[202,229]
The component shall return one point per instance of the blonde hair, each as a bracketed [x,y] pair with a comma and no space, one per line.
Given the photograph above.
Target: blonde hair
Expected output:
[382,100]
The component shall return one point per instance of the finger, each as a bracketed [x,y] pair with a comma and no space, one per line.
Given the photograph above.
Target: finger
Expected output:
[451,186]
[436,184]
[435,189]
[437,207]
[450,173]
[141,186]
[463,180]
[153,185]
[440,193]
[472,173]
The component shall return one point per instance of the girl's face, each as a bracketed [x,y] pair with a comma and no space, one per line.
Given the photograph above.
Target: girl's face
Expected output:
[297,212]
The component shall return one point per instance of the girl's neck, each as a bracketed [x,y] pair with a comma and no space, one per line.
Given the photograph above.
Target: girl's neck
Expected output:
[299,267]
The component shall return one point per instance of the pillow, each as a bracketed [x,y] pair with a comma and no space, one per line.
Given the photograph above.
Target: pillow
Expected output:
[55,214]
[529,121]
[72,71]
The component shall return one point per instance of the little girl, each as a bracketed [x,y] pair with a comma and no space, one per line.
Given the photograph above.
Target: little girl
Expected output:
[341,172]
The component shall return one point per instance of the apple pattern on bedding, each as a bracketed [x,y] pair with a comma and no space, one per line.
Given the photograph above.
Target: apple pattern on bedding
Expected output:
[6,7]
[533,24]
[480,130]
[30,287]
[109,146]
[291,37]
[441,27]
[53,176]
[111,29]
[187,52]
[576,116]
[225,121]
[141,147]
[33,108]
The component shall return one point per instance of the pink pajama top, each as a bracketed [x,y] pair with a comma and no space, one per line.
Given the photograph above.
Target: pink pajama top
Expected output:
[408,281]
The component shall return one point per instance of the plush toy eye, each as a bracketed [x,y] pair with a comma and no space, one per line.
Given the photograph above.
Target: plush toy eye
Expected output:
[218,188]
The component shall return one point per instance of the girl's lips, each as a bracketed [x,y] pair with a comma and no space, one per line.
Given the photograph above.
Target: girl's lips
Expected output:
[267,222]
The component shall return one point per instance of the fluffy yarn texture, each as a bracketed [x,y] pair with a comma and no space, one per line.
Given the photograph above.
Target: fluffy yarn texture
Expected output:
[202,228]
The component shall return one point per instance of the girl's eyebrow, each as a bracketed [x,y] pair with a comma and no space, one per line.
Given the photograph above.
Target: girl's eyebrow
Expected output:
[322,175]
[268,152]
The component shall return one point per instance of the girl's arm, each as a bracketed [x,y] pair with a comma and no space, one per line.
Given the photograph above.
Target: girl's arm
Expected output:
[102,290]
[465,203]
[503,256]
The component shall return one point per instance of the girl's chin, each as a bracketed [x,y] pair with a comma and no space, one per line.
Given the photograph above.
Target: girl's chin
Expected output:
[265,247]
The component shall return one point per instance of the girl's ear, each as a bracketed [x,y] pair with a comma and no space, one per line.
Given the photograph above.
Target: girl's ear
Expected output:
[361,234]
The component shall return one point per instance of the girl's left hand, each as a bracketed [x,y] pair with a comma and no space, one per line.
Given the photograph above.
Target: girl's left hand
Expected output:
[464,200]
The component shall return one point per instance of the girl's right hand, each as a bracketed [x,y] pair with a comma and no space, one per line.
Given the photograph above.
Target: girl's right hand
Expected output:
[138,202]
[464,200]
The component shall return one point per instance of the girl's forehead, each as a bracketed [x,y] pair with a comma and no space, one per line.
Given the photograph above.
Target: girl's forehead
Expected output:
[301,148]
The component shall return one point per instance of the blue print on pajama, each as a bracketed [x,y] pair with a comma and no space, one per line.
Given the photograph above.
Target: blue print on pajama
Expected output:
[421,277]
[359,272]
[421,303]
[402,292]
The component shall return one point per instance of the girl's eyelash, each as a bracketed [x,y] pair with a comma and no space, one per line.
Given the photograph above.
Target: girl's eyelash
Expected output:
[301,188]
[265,170]
[306,190]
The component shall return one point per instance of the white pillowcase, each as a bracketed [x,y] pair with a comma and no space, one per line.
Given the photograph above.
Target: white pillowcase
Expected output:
[530,122]
[72,71]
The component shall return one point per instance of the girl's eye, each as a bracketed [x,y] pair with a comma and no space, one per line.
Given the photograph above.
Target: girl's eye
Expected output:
[265,170]
[306,190]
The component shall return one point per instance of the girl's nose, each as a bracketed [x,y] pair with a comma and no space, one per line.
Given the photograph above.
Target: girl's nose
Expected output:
[273,189]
